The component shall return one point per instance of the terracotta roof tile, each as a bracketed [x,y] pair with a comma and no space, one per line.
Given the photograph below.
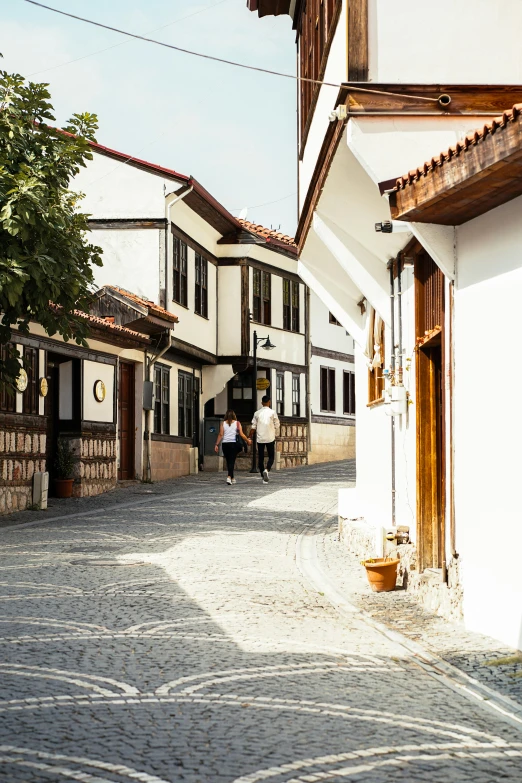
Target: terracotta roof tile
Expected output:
[469,142]
[152,306]
[267,233]
[105,323]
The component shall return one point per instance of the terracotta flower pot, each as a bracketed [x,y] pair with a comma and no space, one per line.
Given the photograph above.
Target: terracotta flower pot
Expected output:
[381,573]
[63,487]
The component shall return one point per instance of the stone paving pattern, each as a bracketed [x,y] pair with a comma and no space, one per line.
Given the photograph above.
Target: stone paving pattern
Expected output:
[172,638]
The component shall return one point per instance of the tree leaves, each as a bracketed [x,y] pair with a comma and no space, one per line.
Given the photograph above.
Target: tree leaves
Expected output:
[44,253]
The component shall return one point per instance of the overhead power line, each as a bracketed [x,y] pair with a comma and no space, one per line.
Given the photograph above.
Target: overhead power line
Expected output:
[266,203]
[222,59]
[122,43]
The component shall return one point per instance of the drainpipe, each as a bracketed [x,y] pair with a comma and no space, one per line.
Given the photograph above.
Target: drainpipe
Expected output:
[308,348]
[168,206]
[392,304]
[399,310]
[149,363]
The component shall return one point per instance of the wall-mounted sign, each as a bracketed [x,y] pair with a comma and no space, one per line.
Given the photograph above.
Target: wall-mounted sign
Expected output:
[22,381]
[44,387]
[262,384]
[99,391]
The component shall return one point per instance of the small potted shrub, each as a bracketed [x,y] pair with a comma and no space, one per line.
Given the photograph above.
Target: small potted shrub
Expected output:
[63,469]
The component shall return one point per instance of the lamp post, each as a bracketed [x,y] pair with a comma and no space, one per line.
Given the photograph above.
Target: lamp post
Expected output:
[267,346]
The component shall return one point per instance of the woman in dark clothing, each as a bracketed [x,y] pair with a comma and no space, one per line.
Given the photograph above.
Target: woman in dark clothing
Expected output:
[228,432]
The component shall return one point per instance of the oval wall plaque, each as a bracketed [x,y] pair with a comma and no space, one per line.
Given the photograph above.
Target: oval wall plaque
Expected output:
[44,387]
[22,381]
[99,391]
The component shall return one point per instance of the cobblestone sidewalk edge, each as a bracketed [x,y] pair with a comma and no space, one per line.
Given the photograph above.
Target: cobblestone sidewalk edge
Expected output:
[308,563]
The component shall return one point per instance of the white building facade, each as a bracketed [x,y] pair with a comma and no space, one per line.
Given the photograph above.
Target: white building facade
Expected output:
[392,286]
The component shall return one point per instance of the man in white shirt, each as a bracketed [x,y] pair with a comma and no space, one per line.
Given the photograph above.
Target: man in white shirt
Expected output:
[266,426]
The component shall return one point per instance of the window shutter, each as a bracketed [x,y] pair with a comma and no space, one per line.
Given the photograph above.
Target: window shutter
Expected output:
[331,390]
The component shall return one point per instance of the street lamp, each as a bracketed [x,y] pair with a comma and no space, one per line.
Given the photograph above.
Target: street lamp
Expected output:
[266,345]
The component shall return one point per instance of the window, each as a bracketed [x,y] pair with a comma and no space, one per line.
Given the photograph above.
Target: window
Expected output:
[242,386]
[375,374]
[290,305]
[327,389]
[280,394]
[296,395]
[262,290]
[317,28]
[179,293]
[185,404]
[333,320]
[30,398]
[349,393]
[201,301]
[161,399]
[7,400]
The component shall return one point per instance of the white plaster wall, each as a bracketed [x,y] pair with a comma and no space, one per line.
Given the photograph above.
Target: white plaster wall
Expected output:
[117,190]
[131,260]
[290,346]
[323,333]
[373,452]
[92,409]
[197,228]
[335,73]
[65,391]
[193,328]
[229,311]
[417,42]
[488,423]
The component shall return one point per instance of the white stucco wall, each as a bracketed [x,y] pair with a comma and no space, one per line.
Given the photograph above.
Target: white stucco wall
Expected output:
[488,423]
[229,317]
[114,189]
[339,367]
[131,260]
[404,46]
[92,409]
[193,328]
[323,333]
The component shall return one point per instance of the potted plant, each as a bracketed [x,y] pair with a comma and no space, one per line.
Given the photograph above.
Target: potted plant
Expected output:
[381,573]
[63,469]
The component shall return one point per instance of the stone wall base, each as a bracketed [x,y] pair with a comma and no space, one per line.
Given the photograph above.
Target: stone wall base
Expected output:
[13,498]
[169,460]
[442,598]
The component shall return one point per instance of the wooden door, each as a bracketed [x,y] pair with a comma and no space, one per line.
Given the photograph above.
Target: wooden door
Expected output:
[126,427]
[430,412]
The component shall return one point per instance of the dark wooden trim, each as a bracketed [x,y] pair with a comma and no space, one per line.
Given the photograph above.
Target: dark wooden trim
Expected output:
[38,423]
[180,234]
[357,21]
[274,270]
[332,138]
[293,420]
[126,223]
[98,427]
[170,438]
[322,69]
[244,362]
[231,261]
[328,354]
[316,419]
[66,349]
[191,351]
[245,310]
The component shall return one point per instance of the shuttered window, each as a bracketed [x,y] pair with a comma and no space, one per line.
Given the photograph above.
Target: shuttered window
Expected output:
[179,263]
[262,296]
[185,404]
[291,318]
[349,393]
[201,278]
[30,397]
[327,389]
[161,399]
[296,395]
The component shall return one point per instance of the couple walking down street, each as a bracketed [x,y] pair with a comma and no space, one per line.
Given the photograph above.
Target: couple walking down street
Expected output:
[266,426]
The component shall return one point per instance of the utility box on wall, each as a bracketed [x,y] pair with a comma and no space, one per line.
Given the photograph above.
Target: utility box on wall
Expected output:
[40,489]
[148,396]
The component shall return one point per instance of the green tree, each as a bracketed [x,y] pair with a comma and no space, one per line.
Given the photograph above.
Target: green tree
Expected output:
[46,261]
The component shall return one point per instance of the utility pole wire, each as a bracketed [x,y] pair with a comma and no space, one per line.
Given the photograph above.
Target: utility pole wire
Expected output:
[221,59]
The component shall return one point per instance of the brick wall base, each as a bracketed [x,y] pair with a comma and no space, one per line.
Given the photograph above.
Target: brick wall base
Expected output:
[169,460]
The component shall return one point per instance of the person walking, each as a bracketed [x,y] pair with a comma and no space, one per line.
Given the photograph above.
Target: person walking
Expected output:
[266,426]
[228,437]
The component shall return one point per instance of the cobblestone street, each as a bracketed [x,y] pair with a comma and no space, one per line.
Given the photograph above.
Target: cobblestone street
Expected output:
[171,636]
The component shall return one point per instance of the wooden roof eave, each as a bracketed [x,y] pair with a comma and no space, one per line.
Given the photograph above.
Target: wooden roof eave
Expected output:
[477,180]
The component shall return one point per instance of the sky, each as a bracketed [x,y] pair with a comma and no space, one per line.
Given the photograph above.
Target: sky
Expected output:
[233,130]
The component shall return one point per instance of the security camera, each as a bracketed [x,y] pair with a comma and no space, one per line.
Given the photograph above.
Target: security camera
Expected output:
[340,113]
